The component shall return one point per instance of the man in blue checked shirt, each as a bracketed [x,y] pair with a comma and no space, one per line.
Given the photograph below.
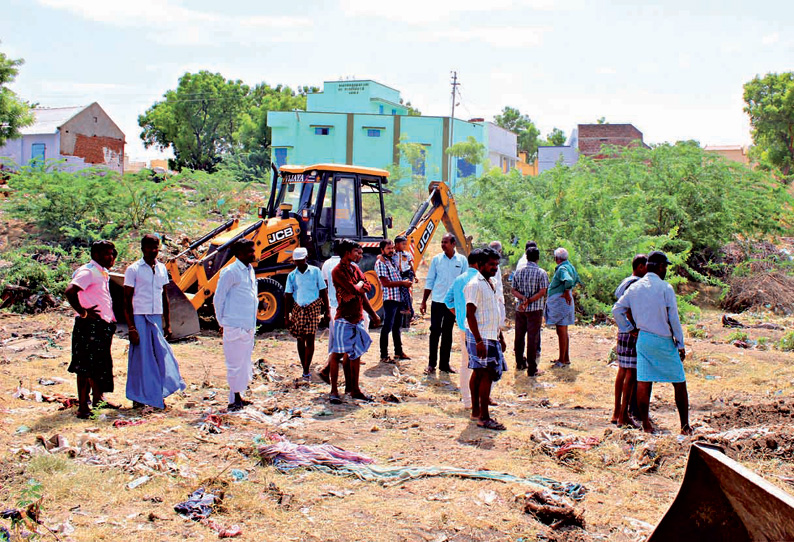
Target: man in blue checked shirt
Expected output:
[392,281]
[444,269]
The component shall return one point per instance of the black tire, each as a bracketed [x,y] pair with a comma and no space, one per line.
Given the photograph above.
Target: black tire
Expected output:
[270,309]
[367,263]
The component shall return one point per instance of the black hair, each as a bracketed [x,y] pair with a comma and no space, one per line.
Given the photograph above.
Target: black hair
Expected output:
[383,244]
[475,257]
[150,238]
[400,239]
[530,244]
[489,254]
[240,245]
[533,254]
[345,246]
[99,246]
[639,259]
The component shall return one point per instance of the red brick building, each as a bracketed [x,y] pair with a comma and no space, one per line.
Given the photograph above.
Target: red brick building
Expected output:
[592,137]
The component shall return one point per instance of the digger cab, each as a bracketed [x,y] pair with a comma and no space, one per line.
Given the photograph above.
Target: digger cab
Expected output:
[333,201]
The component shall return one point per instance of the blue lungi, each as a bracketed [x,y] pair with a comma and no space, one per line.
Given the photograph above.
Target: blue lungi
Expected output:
[350,339]
[658,359]
[152,370]
[494,358]
[558,312]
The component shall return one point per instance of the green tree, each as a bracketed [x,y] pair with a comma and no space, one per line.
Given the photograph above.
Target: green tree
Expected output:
[512,119]
[199,121]
[251,162]
[770,105]
[555,138]
[14,112]
[470,150]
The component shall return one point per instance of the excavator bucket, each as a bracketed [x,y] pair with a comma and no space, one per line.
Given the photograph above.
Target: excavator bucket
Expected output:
[184,318]
[721,500]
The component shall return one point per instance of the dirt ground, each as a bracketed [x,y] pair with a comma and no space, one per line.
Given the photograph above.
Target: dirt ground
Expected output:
[740,398]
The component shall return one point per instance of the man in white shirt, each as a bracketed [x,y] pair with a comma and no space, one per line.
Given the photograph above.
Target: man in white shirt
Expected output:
[484,341]
[152,369]
[235,309]
[522,261]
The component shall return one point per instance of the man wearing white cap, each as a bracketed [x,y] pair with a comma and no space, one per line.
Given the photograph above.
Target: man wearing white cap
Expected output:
[306,301]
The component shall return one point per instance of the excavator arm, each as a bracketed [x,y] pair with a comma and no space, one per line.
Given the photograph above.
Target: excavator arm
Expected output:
[438,208]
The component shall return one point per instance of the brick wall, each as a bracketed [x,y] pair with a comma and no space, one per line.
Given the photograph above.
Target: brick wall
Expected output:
[593,136]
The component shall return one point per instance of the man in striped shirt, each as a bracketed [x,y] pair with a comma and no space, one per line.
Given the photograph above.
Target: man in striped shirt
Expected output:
[391,280]
[529,288]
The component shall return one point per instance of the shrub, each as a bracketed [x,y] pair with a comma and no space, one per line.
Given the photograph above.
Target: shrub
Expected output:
[696,332]
[786,343]
[737,336]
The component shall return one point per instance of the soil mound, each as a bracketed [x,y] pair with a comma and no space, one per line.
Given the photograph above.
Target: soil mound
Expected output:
[742,415]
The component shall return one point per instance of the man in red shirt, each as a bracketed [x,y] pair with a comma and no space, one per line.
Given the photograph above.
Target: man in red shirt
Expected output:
[350,335]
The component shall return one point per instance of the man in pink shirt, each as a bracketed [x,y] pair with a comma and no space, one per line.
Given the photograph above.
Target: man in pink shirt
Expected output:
[94,325]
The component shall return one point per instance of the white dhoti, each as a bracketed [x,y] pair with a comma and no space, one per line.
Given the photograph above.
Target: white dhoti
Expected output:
[238,345]
[464,371]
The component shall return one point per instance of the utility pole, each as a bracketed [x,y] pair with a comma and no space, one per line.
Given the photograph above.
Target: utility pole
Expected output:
[452,130]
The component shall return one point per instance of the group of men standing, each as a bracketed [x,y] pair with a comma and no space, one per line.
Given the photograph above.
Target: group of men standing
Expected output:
[152,369]
[464,291]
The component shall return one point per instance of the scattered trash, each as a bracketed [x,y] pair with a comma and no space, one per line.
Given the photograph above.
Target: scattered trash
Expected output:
[199,505]
[560,446]
[391,398]
[487,496]
[239,475]
[551,510]
[54,381]
[282,499]
[138,482]
[212,424]
[128,423]
[223,532]
[287,456]
[730,322]
[22,429]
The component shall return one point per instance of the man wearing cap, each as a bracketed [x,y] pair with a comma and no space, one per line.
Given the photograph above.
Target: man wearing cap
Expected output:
[660,344]
[306,301]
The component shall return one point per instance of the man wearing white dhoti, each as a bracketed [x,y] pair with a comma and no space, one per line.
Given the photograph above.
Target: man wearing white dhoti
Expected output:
[235,309]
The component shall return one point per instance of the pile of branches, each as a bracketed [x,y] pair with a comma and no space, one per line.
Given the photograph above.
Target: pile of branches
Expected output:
[758,256]
[769,289]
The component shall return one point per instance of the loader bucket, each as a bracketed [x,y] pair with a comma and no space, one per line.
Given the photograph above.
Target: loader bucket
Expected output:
[720,500]
[184,318]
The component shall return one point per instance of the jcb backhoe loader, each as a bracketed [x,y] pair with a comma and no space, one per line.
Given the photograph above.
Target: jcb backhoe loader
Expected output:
[308,207]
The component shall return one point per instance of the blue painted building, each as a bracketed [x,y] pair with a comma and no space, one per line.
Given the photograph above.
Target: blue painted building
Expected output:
[362,122]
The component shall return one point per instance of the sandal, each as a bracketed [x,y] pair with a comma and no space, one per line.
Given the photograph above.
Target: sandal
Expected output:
[402,357]
[83,415]
[362,397]
[335,399]
[491,424]
[387,359]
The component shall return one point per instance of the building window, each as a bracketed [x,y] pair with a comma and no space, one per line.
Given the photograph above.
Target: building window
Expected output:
[465,169]
[373,132]
[37,151]
[280,155]
[380,109]
[418,166]
[322,130]
[393,111]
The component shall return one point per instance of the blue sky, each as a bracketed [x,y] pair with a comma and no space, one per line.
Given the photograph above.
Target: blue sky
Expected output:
[674,69]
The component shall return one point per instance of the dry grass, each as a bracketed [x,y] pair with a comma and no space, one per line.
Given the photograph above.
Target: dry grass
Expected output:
[429,428]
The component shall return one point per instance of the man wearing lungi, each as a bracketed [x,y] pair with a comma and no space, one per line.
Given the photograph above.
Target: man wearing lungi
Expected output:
[444,269]
[456,302]
[306,301]
[152,369]
[626,350]
[235,303]
[350,336]
[89,295]
[660,344]
[392,282]
[484,341]
[529,288]
[560,310]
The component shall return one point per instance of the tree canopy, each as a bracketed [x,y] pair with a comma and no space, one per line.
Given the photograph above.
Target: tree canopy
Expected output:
[14,111]
[511,119]
[770,105]
[555,138]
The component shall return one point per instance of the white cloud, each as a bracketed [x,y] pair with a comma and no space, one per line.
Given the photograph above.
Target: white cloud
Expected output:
[771,39]
[421,12]
[171,22]
[606,70]
[506,36]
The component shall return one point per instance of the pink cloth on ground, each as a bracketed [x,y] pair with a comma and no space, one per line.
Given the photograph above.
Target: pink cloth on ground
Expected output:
[93,279]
